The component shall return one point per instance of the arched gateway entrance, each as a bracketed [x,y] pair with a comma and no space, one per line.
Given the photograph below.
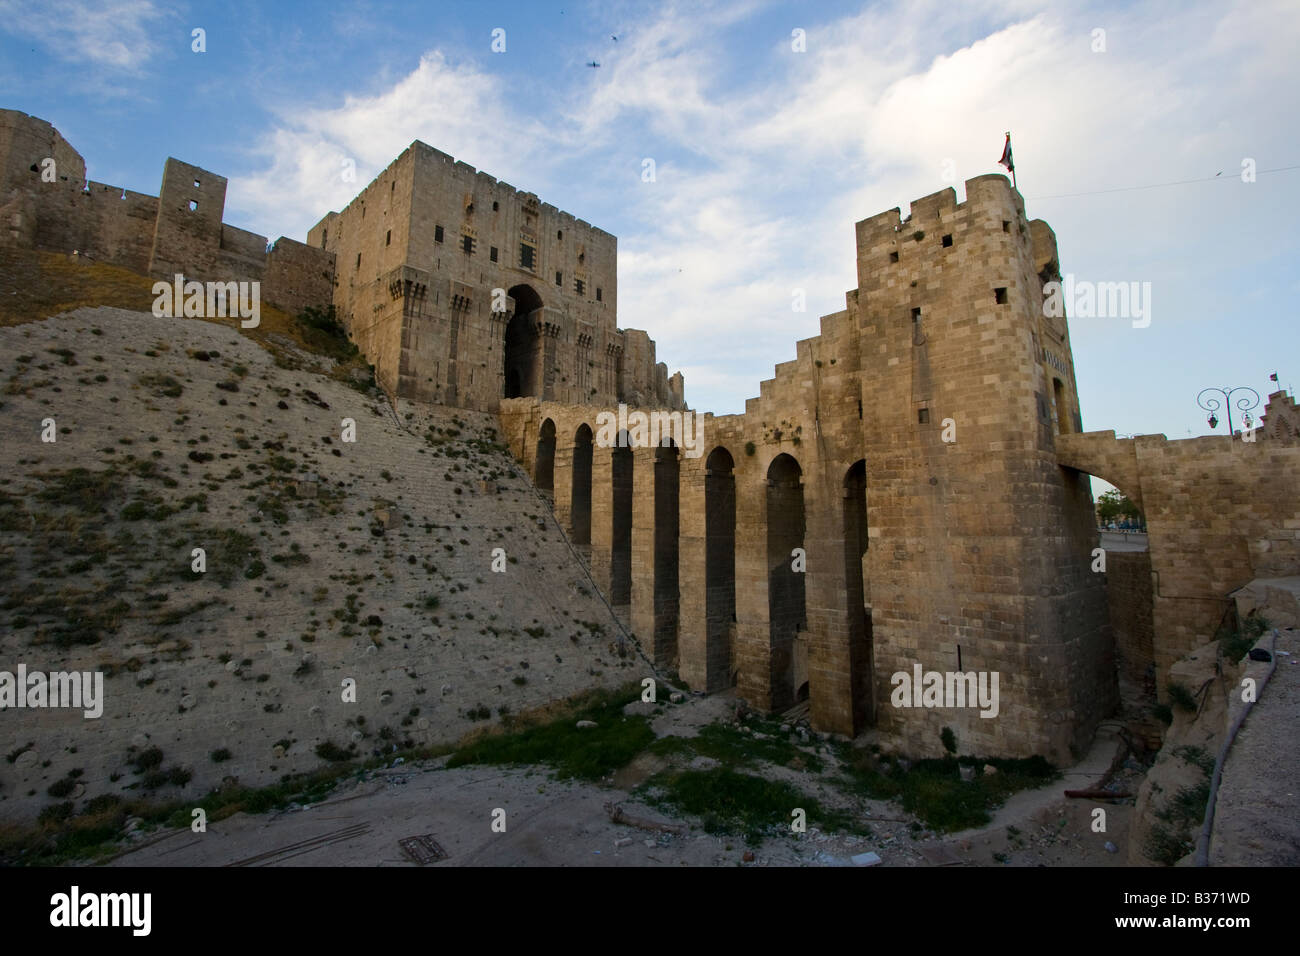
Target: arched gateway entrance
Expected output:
[524,347]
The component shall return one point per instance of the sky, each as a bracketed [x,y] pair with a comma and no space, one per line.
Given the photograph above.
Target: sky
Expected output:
[773,128]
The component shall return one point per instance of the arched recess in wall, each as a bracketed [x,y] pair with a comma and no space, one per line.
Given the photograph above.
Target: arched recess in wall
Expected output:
[620,558]
[666,596]
[785,581]
[1061,416]
[580,509]
[524,348]
[719,567]
[544,471]
[858,623]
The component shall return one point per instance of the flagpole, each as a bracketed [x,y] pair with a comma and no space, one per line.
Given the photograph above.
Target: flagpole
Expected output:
[1013,165]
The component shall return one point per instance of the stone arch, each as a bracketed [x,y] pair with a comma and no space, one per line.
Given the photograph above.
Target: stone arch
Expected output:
[786,602]
[1104,456]
[719,566]
[544,469]
[524,348]
[580,500]
[858,623]
[667,526]
[1131,594]
[620,558]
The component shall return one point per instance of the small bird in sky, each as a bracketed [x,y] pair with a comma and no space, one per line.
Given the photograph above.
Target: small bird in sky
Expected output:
[614,38]
[593,63]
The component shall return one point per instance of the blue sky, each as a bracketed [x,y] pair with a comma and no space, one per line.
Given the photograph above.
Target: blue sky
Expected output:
[765,157]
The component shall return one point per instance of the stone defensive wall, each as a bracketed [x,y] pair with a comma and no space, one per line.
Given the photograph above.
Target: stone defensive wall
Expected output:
[891,500]
[1219,511]
[47,203]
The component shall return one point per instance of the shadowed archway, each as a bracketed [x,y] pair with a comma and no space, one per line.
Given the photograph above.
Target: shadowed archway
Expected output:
[580,501]
[859,615]
[524,348]
[620,559]
[785,576]
[667,519]
[544,472]
[719,567]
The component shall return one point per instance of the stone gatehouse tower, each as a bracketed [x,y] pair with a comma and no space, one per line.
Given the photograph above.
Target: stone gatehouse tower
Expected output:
[909,451]
[419,254]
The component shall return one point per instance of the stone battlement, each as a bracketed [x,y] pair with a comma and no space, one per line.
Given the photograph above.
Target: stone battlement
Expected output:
[890,499]
[487,181]
[910,491]
[46,203]
[459,288]
[508,297]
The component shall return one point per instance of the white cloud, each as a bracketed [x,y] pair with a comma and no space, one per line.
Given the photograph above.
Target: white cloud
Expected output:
[867,122]
[664,72]
[120,35]
[765,158]
[454,108]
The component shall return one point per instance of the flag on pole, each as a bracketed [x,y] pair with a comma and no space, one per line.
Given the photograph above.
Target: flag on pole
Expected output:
[1273,377]
[1007,161]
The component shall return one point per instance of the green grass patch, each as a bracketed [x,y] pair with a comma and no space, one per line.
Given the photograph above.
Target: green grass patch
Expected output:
[731,802]
[95,833]
[1181,815]
[1186,808]
[1236,643]
[587,754]
[1166,845]
[322,331]
[934,792]
[726,744]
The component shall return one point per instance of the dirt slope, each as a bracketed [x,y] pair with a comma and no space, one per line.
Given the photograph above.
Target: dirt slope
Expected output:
[326,560]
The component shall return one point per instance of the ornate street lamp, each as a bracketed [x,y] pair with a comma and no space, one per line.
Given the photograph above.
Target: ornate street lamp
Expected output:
[1212,404]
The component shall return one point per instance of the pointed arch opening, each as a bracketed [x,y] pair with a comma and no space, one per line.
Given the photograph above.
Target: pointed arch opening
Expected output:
[544,470]
[667,526]
[620,558]
[857,595]
[786,561]
[580,500]
[719,567]
[524,347]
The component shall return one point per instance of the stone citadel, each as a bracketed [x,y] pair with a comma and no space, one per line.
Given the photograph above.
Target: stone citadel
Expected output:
[416,279]
[910,491]
[413,282]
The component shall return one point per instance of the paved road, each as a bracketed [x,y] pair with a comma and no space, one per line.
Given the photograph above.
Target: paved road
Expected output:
[1257,817]
[1124,540]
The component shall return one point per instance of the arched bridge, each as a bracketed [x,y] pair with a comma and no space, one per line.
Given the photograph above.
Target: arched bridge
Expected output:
[1107,457]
